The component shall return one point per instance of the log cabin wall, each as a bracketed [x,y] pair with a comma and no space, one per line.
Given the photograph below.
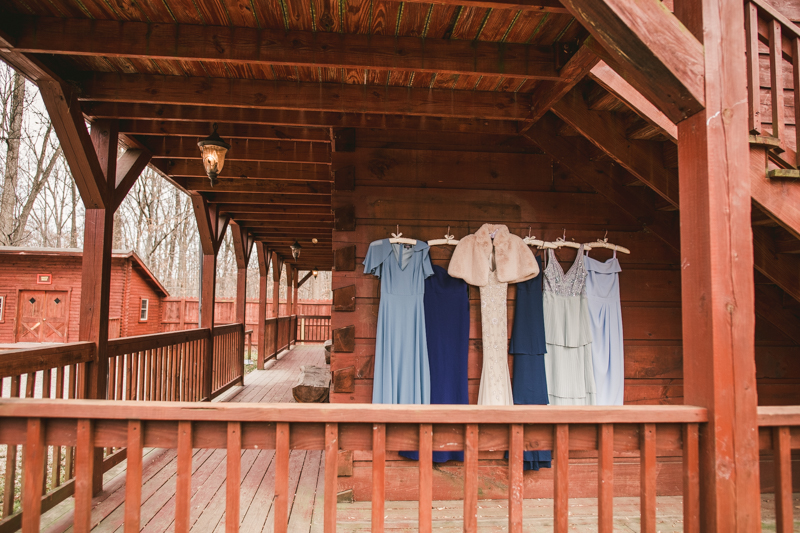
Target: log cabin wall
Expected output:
[19,271]
[425,185]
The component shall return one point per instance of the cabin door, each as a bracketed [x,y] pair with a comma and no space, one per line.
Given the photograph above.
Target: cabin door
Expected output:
[42,316]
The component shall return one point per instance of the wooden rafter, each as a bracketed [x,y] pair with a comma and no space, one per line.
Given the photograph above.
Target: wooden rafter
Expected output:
[271,211]
[254,185]
[241,150]
[548,93]
[186,42]
[269,198]
[246,169]
[290,117]
[229,130]
[654,51]
[259,94]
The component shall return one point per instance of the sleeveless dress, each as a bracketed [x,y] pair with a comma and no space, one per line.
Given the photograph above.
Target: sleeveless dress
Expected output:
[568,362]
[608,359]
[402,373]
[495,388]
[447,326]
[528,348]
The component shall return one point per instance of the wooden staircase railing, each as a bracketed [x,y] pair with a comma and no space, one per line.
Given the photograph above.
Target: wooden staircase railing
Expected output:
[375,428]
[773,47]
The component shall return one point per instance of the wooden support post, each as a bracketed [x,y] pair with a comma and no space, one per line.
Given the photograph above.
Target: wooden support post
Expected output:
[211,226]
[242,248]
[264,257]
[277,263]
[717,272]
[290,274]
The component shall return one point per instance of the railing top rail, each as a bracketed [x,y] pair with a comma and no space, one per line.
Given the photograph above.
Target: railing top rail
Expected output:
[363,413]
[313,316]
[16,362]
[138,343]
[227,328]
[775,14]
[788,415]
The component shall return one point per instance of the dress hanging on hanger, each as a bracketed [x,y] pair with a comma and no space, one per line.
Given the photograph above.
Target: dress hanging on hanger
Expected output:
[528,346]
[401,372]
[568,362]
[492,258]
[608,359]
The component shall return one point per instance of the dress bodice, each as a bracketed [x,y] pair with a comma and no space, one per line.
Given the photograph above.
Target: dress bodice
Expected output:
[558,282]
[401,267]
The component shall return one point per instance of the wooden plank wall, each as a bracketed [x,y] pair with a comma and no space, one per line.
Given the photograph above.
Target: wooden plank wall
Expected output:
[467,182]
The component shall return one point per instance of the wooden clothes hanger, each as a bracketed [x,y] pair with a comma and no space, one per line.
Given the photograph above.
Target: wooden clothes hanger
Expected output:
[562,242]
[533,241]
[397,238]
[448,239]
[603,243]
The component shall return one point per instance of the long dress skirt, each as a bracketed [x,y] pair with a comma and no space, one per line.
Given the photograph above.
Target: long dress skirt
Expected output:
[528,347]
[608,359]
[447,329]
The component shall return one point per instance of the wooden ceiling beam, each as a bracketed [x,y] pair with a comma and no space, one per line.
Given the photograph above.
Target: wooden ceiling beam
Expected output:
[262,94]
[241,150]
[254,186]
[609,134]
[654,51]
[282,224]
[269,198]
[548,93]
[288,117]
[226,129]
[267,219]
[241,45]
[240,209]
[616,85]
[246,169]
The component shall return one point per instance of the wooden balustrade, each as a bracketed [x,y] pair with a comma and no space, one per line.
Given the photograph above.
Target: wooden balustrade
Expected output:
[778,435]
[375,428]
[228,358]
[774,39]
[313,328]
[49,372]
[162,366]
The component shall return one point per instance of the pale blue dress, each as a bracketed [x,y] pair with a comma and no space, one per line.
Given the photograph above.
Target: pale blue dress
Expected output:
[402,374]
[608,359]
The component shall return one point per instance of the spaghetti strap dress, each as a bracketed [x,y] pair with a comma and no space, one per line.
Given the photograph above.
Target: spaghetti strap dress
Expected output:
[528,347]
[568,362]
[608,358]
[447,326]
[402,373]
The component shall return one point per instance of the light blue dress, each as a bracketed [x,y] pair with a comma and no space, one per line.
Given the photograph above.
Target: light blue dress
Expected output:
[402,374]
[608,359]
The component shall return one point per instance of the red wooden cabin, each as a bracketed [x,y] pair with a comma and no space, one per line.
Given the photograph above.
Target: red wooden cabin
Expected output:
[670,126]
[40,289]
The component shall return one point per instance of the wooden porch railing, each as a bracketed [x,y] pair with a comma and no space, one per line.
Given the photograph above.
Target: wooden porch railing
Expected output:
[774,39]
[313,328]
[281,333]
[49,372]
[779,434]
[281,427]
[228,358]
[161,366]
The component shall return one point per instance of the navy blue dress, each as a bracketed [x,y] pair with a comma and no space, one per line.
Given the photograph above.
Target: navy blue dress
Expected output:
[528,346]
[446,303]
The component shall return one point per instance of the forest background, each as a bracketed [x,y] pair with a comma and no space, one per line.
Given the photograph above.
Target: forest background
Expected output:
[40,206]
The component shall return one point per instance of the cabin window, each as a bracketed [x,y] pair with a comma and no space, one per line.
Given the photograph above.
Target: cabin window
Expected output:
[144,309]
[2,306]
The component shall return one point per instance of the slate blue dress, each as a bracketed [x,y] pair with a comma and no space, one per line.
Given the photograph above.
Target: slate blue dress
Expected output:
[605,310]
[402,373]
[447,325]
[528,347]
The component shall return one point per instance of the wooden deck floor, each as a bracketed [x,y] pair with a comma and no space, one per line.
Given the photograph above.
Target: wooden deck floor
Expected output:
[306,479]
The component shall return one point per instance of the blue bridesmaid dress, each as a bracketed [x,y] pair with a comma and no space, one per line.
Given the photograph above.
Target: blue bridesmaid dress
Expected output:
[447,326]
[528,347]
[402,374]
